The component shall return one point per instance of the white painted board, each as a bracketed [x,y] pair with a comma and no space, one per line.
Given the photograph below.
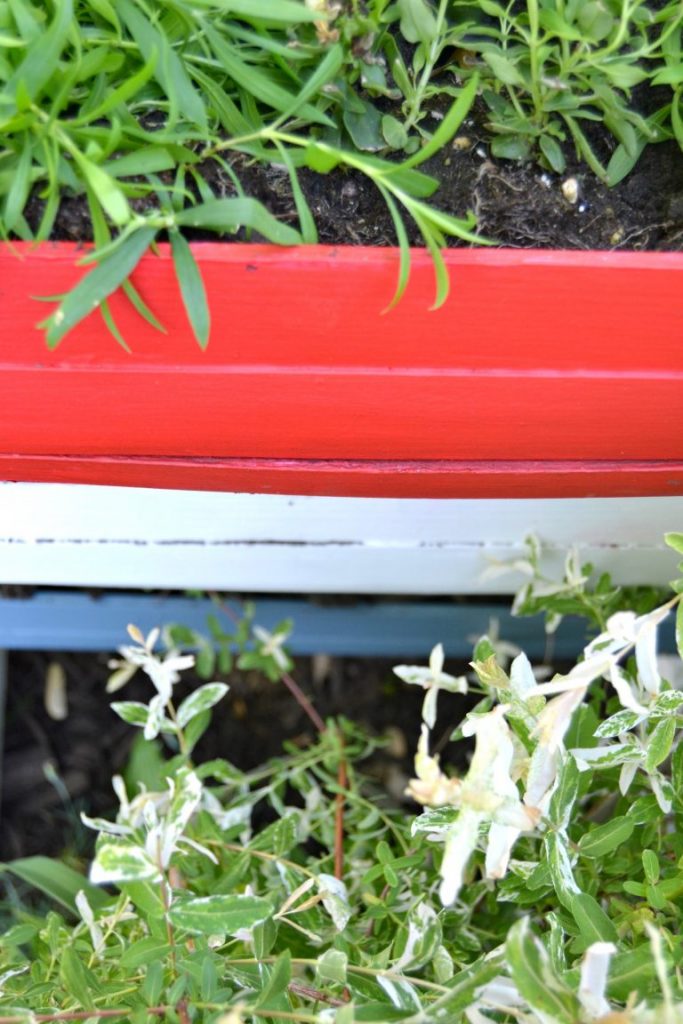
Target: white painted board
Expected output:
[68,535]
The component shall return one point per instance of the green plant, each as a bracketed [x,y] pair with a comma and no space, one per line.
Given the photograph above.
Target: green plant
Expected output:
[549,67]
[141,108]
[542,885]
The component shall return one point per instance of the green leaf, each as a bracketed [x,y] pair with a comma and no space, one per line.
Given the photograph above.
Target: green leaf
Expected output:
[97,285]
[129,87]
[286,12]
[42,58]
[106,190]
[170,72]
[191,288]
[606,838]
[593,922]
[659,743]
[21,184]
[58,881]
[200,700]
[418,23]
[651,866]
[223,215]
[634,971]
[77,979]
[131,711]
[121,861]
[618,723]
[535,978]
[595,20]
[260,84]
[309,232]
[448,126]
[552,151]
[503,68]
[565,794]
[675,541]
[559,864]
[332,966]
[276,981]
[217,915]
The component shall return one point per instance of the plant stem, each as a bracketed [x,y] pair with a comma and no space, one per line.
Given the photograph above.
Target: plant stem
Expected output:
[303,702]
[342,782]
[157,1011]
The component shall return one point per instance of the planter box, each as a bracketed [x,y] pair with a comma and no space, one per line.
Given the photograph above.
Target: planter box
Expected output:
[545,374]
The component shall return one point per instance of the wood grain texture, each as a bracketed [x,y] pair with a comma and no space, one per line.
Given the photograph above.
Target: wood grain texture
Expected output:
[545,373]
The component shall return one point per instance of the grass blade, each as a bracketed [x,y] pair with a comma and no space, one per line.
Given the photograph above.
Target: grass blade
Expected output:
[448,127]
[191,288]
[223,215]
[42,58]
[403,246]
[96,286]
[309,232]
[170,71]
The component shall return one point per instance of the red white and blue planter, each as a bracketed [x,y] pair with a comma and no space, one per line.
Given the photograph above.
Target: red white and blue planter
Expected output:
[546,375]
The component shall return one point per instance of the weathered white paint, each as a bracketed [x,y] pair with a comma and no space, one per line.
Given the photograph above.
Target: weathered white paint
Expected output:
[53,534]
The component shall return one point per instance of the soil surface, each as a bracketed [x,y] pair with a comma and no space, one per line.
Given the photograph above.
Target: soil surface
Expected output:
[53,770]
[517,205]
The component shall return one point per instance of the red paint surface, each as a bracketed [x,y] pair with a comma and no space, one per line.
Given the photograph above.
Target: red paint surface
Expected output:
[545,373]
[439,479]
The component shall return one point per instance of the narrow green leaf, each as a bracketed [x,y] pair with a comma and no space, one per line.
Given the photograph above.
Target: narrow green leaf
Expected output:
[170,71]
[278,979]
[77,979]
[123,92]
[309,232]
[324,73]
[286,12]
[42,57]
[403,247]
[21,184]
[58,881]
[105,190]
[224,215]
[97,285]
[259,83]
[448,127]
[191,288]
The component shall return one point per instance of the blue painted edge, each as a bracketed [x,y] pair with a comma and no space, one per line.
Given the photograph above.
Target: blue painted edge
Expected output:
[69,620]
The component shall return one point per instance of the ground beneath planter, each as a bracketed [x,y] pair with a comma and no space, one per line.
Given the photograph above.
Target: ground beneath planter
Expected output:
[517,205]
[53,770]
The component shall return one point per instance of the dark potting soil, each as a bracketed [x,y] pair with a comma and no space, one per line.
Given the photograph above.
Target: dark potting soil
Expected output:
[517,204]
[53,770]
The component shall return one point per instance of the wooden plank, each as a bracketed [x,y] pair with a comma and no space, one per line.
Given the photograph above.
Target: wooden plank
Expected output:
[59,620]
[62,535]
[359,478]
[537,356]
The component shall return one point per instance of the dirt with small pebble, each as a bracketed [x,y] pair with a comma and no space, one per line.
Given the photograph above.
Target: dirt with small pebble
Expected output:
[517,205]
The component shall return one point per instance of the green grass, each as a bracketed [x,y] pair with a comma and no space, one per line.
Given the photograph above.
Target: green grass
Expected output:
[123,103]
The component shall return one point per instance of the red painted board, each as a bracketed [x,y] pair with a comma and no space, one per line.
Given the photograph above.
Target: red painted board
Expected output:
[439,479]
[554,356]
